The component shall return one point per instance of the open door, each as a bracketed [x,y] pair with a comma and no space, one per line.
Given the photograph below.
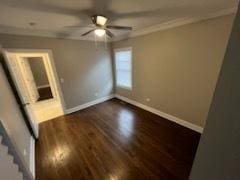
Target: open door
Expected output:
[31,125]
[34,75]
[24,99]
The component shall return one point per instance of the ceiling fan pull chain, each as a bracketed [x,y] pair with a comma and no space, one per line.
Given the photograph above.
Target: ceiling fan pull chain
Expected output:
[96,42]
[105,40]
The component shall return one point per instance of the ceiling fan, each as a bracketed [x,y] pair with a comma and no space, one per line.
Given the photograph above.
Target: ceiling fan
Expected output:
[100,27]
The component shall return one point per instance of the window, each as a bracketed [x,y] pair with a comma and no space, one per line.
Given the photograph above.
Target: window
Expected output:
[123,67]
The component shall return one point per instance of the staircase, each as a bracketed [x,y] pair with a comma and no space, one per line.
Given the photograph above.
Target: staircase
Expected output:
[11,165]
[8,169]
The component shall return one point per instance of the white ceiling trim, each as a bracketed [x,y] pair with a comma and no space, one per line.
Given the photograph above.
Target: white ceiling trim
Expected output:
[176,23]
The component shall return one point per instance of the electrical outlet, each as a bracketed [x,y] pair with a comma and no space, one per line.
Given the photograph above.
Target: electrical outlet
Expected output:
[148,99]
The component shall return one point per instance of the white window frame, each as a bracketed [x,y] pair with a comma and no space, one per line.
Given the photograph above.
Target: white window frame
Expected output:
[115,68]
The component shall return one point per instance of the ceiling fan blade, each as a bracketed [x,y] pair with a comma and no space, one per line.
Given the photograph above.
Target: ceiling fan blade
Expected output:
[120,27]
[109,33]
[86,33]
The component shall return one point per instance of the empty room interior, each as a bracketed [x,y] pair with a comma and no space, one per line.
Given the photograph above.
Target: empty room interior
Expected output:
[119,89]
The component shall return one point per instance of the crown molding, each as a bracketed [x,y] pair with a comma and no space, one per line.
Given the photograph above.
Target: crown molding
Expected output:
[176,23]
[163,26]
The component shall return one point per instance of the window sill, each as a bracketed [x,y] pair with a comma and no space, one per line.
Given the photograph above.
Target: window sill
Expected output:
[124,87]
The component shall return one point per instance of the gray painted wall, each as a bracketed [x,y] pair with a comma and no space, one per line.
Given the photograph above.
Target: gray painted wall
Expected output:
[86,71]
[178,68]
[39,71]
[12,119]
[218,155]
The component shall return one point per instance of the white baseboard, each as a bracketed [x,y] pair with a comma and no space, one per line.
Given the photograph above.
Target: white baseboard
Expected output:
[162,114]
[86,105]
[145,107]
[32,156]
[43,86]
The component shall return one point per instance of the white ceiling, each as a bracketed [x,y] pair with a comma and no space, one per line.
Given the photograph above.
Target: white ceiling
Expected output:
[51,16]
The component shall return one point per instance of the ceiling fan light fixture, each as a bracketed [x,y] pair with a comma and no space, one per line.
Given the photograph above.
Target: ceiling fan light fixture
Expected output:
[101,20]
[99,32]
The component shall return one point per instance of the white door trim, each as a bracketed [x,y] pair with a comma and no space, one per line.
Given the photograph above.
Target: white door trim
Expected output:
[49,64]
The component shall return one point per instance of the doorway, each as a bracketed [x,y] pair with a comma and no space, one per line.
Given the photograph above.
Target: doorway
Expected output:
[35,77]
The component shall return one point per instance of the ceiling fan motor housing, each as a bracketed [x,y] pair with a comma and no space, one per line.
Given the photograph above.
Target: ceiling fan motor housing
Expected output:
[99,20]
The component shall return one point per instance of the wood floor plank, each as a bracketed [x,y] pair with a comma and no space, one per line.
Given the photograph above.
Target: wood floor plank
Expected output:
[114,140]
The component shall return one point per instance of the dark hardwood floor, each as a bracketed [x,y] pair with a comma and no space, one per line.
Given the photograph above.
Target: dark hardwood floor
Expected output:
[114,140]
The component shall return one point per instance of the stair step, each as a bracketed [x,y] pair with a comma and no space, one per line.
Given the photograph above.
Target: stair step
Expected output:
[10,171]
[18,174]
[4,154]
[3,149]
